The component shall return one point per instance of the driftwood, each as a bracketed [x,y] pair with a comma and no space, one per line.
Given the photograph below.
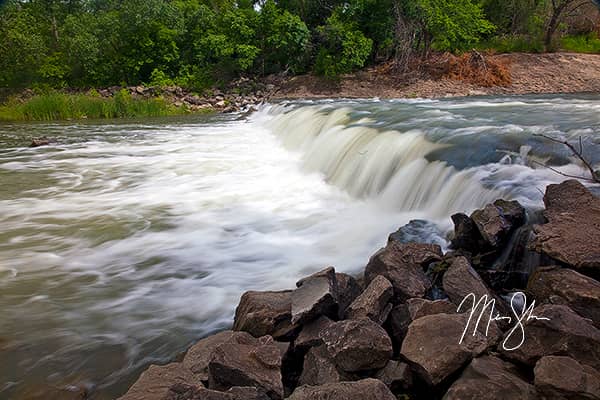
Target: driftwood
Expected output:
[595,176]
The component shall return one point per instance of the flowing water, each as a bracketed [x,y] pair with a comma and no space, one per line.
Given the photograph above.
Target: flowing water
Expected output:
[124,242]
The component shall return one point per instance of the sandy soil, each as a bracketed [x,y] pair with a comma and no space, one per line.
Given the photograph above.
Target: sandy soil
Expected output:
[530,73]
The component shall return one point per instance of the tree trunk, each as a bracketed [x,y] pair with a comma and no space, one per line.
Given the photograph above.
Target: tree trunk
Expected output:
[553,23]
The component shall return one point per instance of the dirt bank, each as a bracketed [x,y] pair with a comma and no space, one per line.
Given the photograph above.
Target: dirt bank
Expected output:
[530,73]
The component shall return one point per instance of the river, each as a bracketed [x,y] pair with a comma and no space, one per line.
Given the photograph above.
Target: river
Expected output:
[125,241]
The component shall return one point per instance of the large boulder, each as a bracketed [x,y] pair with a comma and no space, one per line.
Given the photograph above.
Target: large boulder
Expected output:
[256,365]
[348,290]
[188,392]
[497,221]
[374,302]
[319,368]
[561,332]
[265,313]
[403,265]
[155,383]
[466,235]
[490,378]
[572,234]
[558,377]
[366,389]
[436,348]
[357,345]
[315,295]
[310,335]
[198,356]
[556,285]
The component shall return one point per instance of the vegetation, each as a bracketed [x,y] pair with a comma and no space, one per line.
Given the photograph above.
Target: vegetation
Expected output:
[198,44]
[55,106]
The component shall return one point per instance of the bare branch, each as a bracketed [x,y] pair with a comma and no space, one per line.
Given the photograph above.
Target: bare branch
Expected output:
[579,154]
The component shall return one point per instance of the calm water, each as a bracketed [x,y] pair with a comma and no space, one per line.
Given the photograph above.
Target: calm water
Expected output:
[124,242]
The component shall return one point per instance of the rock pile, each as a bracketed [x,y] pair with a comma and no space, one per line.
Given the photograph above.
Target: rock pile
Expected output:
[399,333]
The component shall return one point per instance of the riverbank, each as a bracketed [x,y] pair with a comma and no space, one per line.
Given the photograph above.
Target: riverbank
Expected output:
[402,330]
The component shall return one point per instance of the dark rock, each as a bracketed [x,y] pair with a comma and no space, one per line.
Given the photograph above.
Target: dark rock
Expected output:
[396,375]
[466,234]
[402,265]
[348,290]
[563,333]
[199,355]
[187,392]
[257,365]
[374,302]
[490,378]
[418,231]
[433,344]
[265,313]
[572,234]
[310,335]
[316,295]
[155,382]
[357,345]
[366,389]
[37,142]
[556,285]
[564,378]
[319,368]
[497,221]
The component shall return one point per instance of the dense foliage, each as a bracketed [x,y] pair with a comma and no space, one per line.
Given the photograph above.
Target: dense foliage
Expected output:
[200,43]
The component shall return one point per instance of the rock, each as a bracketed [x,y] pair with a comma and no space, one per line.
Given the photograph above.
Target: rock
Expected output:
[357,345]
[310,335]
[156,382]
[257,365]
[433,344]
[41,141]
[373,303]
[466,235]
[572,233]
[402,264]
[366,389]
[319,369]
[187,392]
[556,285]
[348,291]
[490,378]
[461,280]
[198,356]
[316,295]
[418,231]
[559,377]
[497,221]
[396,375]
[220,103]
[564,333]
[265,313]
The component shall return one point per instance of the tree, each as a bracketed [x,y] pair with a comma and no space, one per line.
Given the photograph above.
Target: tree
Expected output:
[557,9]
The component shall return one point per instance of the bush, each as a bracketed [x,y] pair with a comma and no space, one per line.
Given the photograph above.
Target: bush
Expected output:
[512,44]
[581,43]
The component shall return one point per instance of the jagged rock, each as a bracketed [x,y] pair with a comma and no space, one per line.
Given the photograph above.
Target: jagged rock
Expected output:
[466,235]
[461,279]
[188,392]
[490,378]
[563,333]
[257,365]
[402,264]
[357,345]
[396,375]
[559,377]
[433,344]
[316,295]
[198,356]
[265,313]
[572,234]
[418,231]
[366,389]
[497,221]
[155,382]
[556,285]
[41,141]
[374,302]
[319,369]
[310,335]
[348,291]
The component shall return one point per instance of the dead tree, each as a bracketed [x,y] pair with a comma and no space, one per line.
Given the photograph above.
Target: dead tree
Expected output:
[578,153]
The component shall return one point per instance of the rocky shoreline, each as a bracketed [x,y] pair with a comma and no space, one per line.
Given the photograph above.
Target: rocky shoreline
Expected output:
[403,330]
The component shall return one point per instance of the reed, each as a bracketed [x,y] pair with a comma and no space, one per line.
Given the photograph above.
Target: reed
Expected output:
[62,106]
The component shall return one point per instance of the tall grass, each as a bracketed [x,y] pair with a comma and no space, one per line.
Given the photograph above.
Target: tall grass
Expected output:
[61,106]
[589,43]
[513,44]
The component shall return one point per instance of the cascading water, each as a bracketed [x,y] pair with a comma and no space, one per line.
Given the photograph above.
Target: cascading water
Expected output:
[125,242]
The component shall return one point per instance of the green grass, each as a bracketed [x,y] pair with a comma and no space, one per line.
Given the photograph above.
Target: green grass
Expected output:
[61,106]
[581,43]
[513,44]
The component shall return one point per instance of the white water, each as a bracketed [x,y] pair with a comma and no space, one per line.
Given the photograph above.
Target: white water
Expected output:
[123,243]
